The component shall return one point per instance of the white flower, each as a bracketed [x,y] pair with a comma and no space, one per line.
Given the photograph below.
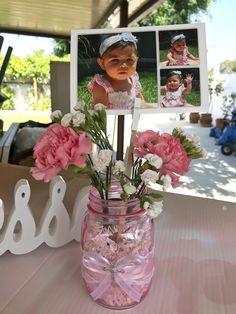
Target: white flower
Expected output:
[154,209]
[204,153]
[118,167]
[78,119]
[193,138]
[57,114]
[105,155]
[99,106]
[166,181]
[146,205]
[102,160]
[66,119]
[154,160]
[129,188]
[149,176]
[80,104]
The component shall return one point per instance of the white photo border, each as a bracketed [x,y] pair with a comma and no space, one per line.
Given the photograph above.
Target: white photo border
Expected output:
[202,66]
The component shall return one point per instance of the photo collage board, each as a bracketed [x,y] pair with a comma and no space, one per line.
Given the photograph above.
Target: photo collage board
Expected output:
[164,70]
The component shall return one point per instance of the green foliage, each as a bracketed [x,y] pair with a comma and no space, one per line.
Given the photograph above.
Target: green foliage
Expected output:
[8,104]
[193,98]
[163,53]
[38,66]
[62,47]
[175,12]
[148,81]
[45,102]
[228,67]
[218,88]
[34,69]
[16,70]
[83,93]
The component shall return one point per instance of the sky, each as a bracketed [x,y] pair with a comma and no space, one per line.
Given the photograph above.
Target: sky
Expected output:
[220,27]
[220,35]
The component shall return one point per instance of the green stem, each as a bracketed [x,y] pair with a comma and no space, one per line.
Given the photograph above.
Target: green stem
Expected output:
[107,182]
[141,189]
[98,183]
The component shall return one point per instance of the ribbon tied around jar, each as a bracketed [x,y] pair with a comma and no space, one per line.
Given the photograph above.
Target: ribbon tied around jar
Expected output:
[127,272]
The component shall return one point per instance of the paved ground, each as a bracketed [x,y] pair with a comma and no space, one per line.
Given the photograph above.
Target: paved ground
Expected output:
[213,176]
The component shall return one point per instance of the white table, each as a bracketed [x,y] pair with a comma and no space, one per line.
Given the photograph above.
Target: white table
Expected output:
[195,263]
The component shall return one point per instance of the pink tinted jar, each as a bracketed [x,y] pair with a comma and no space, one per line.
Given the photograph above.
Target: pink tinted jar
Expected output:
[117,243]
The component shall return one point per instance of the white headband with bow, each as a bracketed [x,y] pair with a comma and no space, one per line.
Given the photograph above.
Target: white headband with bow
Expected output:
[108,42]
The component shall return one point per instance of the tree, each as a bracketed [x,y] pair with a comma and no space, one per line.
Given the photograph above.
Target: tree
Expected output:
[175,12]
[38,71]
[228,67]
[33,69]
[62,47]
[16,71]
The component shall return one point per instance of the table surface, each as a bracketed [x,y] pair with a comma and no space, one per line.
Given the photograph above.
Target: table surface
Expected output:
[195,262]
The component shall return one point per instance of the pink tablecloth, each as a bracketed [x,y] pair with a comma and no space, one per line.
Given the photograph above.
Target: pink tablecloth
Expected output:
[195,266]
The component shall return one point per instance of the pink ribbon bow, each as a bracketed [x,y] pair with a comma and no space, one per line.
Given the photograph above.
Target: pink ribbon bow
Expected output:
[126,272]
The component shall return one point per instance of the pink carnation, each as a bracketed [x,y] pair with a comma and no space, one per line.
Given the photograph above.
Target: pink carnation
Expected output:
[171,151]
[144,142]
[56,149]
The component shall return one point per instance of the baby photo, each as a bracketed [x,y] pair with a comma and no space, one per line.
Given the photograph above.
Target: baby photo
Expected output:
[180,88]
[149,68]
[179,47]
[118,70]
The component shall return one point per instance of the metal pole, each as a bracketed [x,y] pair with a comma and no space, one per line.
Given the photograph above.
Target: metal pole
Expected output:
[121,119]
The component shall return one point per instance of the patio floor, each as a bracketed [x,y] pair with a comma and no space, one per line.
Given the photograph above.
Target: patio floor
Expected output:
[211,177]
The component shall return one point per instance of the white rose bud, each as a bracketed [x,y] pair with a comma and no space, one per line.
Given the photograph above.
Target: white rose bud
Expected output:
[129,189]
[149,176]
[146,205]
[98,164]
[193,138]
[99,106]
[80,104]
[154,209]
[204,153]
[119,167]
[65,121]
[154,160]
[102,160]
[167,180]
[105,155]
[78,119]
[57,114]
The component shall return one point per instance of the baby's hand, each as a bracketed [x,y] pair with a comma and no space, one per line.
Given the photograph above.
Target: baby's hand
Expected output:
[188,78]
[172,62]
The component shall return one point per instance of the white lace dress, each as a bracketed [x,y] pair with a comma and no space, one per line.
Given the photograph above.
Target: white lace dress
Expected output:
[120,99]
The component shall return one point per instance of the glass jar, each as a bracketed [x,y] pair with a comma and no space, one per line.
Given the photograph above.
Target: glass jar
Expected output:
[117,242]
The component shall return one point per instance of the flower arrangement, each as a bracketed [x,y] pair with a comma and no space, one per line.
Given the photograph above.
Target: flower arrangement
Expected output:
[157,158]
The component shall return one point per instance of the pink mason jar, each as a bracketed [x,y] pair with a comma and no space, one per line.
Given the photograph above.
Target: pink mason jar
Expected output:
[117,243]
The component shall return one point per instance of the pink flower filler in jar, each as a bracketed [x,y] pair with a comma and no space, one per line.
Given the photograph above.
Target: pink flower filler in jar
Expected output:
[117,245]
